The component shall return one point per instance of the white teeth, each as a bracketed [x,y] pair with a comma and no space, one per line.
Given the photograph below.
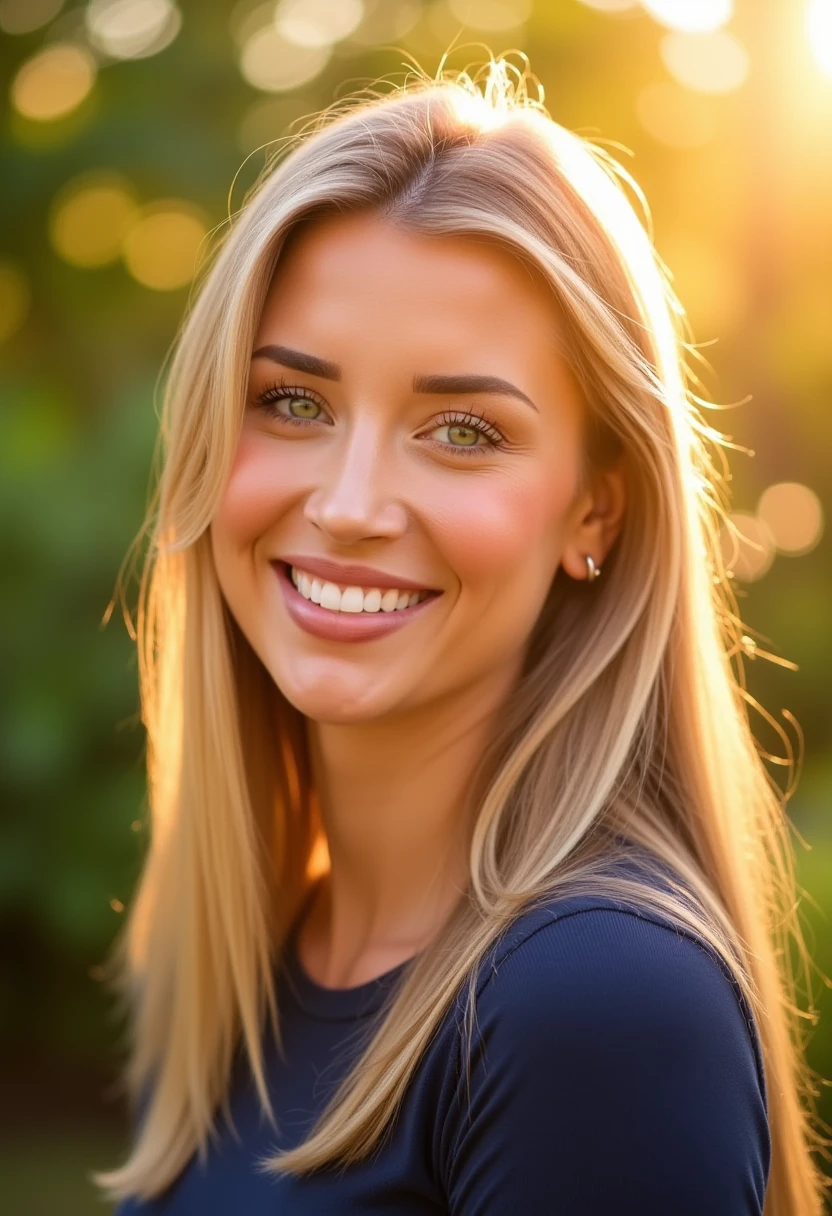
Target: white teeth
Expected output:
[330,596]
[372,600]
[389,600]
[353,599]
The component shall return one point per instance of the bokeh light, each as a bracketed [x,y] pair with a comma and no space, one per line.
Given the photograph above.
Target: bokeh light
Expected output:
[317,23]
[386,20]
[132,29]
[690,15]
[747,546]
[714,62]
[612,6]
[793,515]
[15,298]
[491,14]
[24,16]
[819,31]
[161,246]
[89,219]
[268,61]
[674,116]
[53,82]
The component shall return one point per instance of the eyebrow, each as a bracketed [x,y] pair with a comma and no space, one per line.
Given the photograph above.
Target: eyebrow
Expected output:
[470,384]
[299,361]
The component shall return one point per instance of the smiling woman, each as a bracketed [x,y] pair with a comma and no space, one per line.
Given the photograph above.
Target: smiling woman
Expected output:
[363,454]
[430,389]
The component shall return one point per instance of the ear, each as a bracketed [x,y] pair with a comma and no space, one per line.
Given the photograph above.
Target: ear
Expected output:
[597,518]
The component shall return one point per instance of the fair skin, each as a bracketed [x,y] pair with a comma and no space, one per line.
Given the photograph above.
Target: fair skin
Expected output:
[375,476]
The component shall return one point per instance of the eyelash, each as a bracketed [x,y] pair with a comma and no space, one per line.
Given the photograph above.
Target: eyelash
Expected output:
[267,401]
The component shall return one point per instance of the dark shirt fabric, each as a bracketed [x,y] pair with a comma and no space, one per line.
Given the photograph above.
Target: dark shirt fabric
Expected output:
[615,1068]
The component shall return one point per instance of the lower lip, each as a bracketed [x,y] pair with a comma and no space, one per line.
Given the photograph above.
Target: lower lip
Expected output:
[343,626]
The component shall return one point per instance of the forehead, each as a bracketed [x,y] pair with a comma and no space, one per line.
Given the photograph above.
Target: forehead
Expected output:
[361,283]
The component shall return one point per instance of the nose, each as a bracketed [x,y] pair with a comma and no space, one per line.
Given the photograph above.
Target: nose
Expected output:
[353,498]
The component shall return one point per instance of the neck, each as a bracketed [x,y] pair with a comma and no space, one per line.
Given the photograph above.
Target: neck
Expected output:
[393,797]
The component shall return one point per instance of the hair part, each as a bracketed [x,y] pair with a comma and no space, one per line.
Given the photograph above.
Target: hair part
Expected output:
[628,720]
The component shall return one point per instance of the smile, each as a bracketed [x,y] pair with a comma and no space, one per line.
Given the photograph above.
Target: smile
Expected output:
[336,598]
[348,613]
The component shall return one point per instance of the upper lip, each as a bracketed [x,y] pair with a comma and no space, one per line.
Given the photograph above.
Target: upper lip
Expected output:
[351,575]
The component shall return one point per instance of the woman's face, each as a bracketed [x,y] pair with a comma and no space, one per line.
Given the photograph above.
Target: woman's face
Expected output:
[409,410]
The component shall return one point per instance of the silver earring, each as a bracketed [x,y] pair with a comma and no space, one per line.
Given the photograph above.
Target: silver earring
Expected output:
[592,571]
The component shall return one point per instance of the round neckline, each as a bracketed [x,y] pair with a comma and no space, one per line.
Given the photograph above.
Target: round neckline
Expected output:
[361,1000]
[335,1004]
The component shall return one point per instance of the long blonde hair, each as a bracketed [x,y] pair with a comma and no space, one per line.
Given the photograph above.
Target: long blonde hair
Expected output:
[629,717]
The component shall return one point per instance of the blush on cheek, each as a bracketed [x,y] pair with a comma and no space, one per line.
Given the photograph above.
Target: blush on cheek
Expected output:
[256,492]
[501,527]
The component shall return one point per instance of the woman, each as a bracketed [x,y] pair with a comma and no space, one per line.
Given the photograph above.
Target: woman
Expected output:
[465,877]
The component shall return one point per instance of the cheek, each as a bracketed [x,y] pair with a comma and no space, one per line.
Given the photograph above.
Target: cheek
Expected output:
[508,525]
[256,490]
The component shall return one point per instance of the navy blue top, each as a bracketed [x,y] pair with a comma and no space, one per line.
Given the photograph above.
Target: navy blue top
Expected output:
[615,1068]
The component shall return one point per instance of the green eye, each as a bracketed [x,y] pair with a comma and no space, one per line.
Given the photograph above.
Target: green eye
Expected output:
[466,430]
[301,405]
[468,434]
[305,408]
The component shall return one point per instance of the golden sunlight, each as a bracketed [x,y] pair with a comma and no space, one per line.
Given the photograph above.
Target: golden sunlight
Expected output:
[675,116]
[711,62]
[692,16]
[611,6]
[819,29]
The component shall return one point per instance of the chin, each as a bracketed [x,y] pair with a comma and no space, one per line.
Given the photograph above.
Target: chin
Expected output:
[326,697]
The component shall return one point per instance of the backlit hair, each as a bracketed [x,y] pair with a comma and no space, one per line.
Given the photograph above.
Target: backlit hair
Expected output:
[629,718]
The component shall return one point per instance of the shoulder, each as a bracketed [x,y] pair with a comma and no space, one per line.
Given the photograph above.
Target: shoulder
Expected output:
[595,1019]
[570,952]
[593,966]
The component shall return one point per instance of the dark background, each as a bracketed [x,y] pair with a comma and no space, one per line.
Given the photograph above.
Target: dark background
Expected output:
[124,125]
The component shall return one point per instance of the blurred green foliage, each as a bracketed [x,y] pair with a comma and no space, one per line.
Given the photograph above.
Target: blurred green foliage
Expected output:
[741,217]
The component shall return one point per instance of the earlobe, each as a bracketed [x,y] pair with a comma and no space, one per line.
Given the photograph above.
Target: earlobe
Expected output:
[581,566]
